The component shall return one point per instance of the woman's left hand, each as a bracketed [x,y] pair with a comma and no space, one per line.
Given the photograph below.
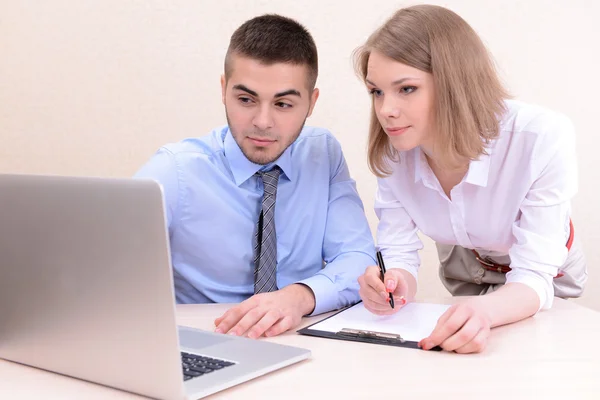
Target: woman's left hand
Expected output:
[463,328]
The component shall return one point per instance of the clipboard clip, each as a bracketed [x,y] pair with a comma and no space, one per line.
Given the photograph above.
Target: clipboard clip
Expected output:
[371,335]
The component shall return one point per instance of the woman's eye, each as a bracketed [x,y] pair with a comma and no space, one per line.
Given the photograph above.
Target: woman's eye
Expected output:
[407,89]
[375,92]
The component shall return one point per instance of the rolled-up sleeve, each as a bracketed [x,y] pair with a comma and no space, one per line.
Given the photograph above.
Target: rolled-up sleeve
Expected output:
[348,247]
[542,231]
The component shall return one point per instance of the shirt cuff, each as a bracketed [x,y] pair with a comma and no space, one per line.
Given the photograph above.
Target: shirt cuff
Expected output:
[541,282]
[326,293]
[413,270]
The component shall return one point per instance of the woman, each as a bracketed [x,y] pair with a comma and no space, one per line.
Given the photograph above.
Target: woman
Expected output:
[489,179]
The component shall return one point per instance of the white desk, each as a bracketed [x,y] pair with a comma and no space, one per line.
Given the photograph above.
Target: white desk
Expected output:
[555,355]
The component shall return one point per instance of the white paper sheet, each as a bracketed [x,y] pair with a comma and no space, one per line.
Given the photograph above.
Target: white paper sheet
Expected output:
[413,322]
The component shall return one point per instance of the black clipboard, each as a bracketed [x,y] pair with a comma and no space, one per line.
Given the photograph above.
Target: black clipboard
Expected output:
[364,336]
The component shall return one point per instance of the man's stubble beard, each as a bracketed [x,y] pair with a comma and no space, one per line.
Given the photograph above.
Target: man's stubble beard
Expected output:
[261,160]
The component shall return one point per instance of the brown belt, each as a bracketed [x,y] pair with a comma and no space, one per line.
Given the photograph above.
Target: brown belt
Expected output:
[490,265]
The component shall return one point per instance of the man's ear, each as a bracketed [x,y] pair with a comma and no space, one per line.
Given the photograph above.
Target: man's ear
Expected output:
[313,100]
[223,88]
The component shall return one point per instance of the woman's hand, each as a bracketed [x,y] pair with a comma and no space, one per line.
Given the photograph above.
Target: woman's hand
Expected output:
[463,328]
[375,294]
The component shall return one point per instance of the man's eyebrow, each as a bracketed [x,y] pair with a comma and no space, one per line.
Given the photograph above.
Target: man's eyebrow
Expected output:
[245,89]
[289,92]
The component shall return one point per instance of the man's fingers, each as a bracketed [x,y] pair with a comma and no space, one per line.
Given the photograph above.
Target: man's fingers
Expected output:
[221,318]
[242,322]
[224,323]
[248,321]
[266,322]
[266,313]
[284,325]
[228,320]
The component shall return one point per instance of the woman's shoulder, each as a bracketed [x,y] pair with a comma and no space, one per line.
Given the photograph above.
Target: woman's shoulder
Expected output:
[535,130]
[533,119]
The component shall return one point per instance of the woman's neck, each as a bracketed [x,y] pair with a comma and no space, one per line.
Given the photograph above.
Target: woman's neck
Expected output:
[456,165]
[448,174]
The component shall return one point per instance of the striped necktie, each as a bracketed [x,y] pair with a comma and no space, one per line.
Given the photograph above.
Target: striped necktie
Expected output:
[265,244]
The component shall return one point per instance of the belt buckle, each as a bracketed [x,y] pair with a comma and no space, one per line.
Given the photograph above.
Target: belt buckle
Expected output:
[485,262]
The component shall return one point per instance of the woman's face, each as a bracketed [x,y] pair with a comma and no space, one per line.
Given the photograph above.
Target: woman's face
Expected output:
[403,100]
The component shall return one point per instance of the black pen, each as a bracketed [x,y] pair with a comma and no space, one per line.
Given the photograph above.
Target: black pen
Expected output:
[382,270]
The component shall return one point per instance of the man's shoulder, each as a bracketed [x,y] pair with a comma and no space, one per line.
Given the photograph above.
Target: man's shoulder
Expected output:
[314,132]
[314,137]
[317,149]
[198,147]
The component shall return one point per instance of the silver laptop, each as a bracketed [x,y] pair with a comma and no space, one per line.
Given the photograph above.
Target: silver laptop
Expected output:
[86,290]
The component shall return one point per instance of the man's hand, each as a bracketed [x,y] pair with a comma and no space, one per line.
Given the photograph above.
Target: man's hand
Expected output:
[268,313]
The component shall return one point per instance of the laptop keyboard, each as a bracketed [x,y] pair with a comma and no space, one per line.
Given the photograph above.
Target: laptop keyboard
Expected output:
[195,365]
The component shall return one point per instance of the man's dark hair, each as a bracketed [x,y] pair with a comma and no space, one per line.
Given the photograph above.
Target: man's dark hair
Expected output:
[273,39]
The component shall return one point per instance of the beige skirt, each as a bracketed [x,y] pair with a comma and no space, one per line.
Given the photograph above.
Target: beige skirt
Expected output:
[463,275]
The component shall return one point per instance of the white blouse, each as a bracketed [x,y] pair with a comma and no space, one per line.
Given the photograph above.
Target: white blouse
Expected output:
[513,204]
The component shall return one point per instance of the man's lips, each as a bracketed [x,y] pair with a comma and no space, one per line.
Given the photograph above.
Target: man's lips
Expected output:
[262,142]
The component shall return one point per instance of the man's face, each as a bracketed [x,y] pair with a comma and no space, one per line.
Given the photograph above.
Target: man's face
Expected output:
[266,106]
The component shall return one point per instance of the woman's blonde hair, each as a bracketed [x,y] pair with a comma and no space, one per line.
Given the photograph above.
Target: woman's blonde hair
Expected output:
[469,97]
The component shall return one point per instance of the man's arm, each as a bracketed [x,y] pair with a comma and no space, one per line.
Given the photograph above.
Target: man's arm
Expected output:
[162,168]
[348,247]
[348,250]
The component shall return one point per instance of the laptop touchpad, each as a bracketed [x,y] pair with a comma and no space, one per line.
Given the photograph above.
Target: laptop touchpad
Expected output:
[198,339]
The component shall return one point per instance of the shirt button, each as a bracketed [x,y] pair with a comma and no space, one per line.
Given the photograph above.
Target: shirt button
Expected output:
[480,272]
[477,280]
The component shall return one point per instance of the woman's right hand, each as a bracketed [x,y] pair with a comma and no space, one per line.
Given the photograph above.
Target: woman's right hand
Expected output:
[375,294]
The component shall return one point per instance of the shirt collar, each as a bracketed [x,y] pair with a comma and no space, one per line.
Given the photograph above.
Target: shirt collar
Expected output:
[421,165]
[479,170]
[243,169]
[477,174]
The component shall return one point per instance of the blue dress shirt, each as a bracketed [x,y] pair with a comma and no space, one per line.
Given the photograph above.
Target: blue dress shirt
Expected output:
[213,200]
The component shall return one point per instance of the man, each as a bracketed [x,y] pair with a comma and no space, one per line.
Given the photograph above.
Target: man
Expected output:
[263,210]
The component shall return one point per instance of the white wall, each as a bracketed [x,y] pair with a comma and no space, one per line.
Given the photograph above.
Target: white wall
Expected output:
[94,87]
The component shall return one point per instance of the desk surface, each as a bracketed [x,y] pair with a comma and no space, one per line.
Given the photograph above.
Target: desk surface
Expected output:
[552,355]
